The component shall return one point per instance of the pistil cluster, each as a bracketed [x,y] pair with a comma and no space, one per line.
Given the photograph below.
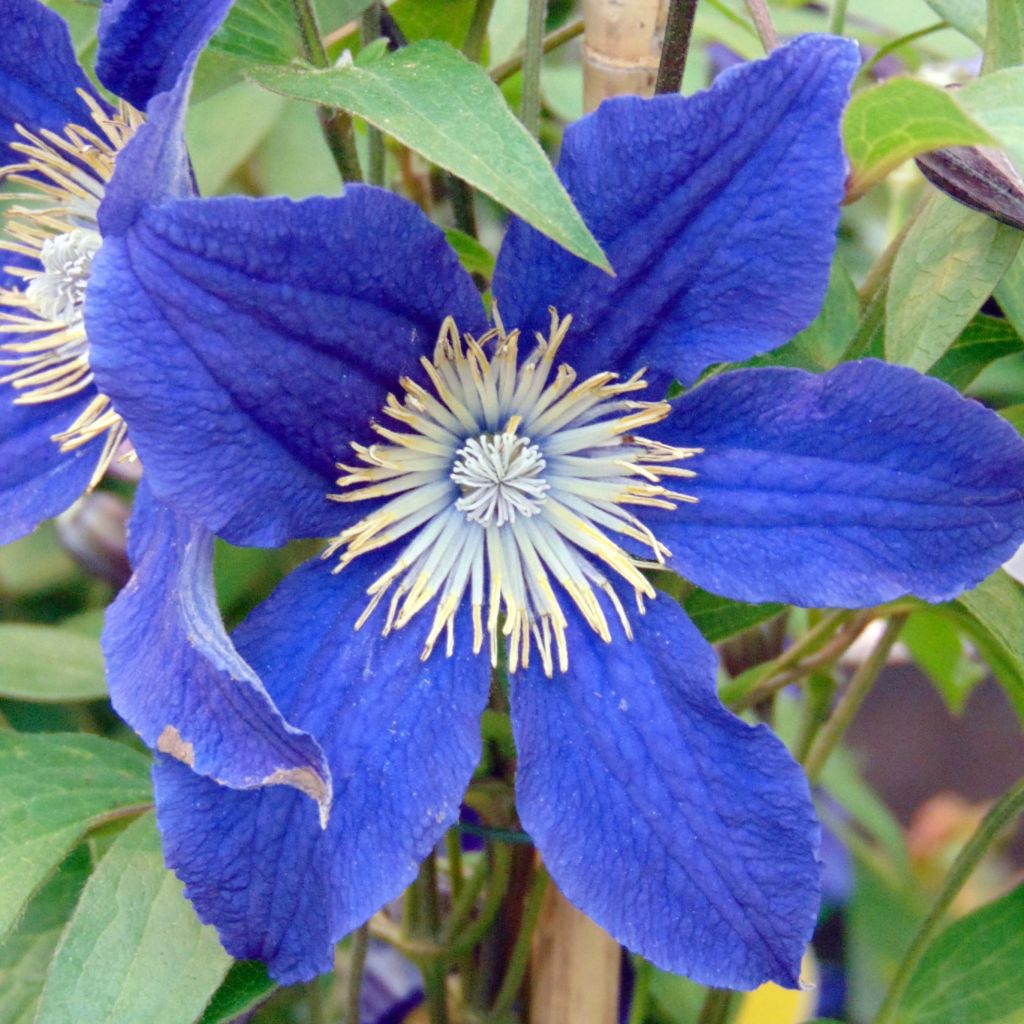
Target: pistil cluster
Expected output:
[507,486]
[53,222]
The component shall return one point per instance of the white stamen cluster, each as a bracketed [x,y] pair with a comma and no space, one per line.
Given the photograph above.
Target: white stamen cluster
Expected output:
[499,477]
[59,292]
[63,179]
[506,487]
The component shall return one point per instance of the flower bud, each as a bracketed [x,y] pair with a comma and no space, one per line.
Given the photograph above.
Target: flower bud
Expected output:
[979,177]
[94,532]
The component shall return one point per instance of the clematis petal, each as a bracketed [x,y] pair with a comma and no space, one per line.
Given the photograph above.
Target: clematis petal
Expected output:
[176,678]
[718,213]
[144,46]
[845,489]
[402,738]
[248,342]
[39,73]
[36,480]
[687,834]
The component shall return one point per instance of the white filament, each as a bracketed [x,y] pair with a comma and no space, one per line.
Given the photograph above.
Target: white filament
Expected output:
[500,477]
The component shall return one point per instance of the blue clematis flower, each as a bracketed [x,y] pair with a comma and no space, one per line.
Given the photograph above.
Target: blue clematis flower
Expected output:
[503,486]
[59,143]
[59,430]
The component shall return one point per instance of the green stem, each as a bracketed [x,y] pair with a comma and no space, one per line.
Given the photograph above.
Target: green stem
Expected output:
[336,125]
[520,957]
[763,23]
[476,35]
[678,29]
[533,50]
[315,1001]
[894,44]
[641,992]
[369,30]
[1009,806]
[823,657]
[837,23]
[356,966]
[570,30]
[462,205]
[818,695]
[453,847]
[810,641]
[851,700]
[475,931]
[716,1006]
[434,969]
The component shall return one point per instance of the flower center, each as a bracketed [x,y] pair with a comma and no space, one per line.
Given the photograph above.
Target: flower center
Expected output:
[59,292]
[506,490]
[499,475]
[53,222]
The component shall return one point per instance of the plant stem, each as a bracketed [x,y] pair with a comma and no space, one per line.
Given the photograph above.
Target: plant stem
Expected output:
[826,655]
[678,29]
[716,1006]
[434,969]
[369,30]
[640,1001]
[336,125]
[529,110]
[894,44]
[763,23]
[837,23]
[849,703]
[476,35]
[520,957]
[1009,806]
[357,964]
[734,696]
[570,30]
[315,1001]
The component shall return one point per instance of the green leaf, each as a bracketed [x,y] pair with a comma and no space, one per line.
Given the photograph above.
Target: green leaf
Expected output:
[26,953]
[45,664]
[966,16]
[245,987]
[983,340]
[1010,292]
[891,122]
[949,263]
[53,789]
[446,20]
[718,617]
[934,644]
[217,153]
[476,258]
[1004,40]
[993,616]
[263,30]
[1014,414]
[822,344]
[971,972]
[134,949]
[429,97]
[995,102]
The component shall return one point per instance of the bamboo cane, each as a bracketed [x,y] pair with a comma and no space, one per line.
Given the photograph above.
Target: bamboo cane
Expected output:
[574,967]
[622,42]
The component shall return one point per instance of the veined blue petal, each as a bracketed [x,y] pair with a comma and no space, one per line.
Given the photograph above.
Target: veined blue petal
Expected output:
[247,343]
[718,213]
[39,73]
[687,834]
[176,678]
[143,46]
[845,489]
[402,738]
[36,480]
